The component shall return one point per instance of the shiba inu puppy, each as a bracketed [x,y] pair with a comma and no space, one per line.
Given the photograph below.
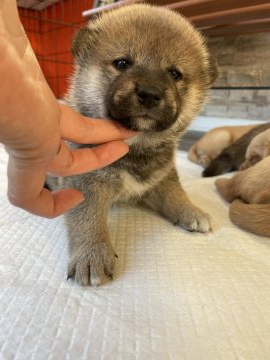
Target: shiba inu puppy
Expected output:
[148,69]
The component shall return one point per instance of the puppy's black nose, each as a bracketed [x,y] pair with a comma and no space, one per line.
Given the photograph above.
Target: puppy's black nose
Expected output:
[149,96]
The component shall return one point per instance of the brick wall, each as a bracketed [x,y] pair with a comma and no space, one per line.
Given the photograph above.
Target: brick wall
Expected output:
[243,60]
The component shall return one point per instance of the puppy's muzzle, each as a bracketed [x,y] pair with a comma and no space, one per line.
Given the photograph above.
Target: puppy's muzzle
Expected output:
[148,96]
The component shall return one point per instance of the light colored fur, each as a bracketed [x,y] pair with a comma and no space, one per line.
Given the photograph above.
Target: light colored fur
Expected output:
[249,193]
[155,39]
[258,149]
[210,145]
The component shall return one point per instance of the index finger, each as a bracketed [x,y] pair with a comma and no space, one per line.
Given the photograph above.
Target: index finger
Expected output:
[83,130]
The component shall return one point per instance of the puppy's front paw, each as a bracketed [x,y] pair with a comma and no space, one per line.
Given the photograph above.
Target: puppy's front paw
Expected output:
[90,262]
[194,219]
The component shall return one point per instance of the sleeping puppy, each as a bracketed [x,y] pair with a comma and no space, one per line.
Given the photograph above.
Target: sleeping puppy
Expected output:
[252,187]
[148,69]
[233,156]
[210,145]
[258,149]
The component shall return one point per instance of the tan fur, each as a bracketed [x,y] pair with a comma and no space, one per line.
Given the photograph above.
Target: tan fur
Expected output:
[252,187]
[258,149]
[210,145]
[155,42]
[256,218]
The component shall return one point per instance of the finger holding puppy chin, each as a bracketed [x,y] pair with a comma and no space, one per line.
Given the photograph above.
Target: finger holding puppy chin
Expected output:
[83,130]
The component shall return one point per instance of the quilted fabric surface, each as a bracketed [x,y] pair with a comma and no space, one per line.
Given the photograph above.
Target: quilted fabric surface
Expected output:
[175,296]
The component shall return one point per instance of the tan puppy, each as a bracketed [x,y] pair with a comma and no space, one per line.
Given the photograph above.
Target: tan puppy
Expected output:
[258,149]
[210,145]
[252,186]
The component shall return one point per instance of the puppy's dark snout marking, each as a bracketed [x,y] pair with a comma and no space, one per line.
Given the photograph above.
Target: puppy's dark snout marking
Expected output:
[149,96]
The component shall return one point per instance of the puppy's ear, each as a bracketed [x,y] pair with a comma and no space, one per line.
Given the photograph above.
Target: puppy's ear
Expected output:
[82,44]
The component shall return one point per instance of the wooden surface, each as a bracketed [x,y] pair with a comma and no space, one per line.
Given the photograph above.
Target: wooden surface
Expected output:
[213,17]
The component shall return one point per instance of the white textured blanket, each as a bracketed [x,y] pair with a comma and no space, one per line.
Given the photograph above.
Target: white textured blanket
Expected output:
[175,296]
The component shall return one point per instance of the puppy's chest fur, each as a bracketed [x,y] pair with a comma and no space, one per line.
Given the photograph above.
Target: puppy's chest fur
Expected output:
[133,187]
[142,170]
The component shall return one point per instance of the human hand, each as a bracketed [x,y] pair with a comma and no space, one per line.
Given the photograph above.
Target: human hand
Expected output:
[29,162]
[33,126]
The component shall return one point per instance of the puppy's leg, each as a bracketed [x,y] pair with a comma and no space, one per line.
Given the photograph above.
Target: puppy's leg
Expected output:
[91,254]
[170,200]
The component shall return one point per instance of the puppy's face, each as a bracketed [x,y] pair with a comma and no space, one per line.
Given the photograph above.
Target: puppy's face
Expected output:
[141,98]
[143,66]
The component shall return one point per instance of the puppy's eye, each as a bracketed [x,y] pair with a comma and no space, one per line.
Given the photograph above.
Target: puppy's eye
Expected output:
[176,74]
[122,64]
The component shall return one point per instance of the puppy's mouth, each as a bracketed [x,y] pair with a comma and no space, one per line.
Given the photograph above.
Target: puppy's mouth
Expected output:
[140,122]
